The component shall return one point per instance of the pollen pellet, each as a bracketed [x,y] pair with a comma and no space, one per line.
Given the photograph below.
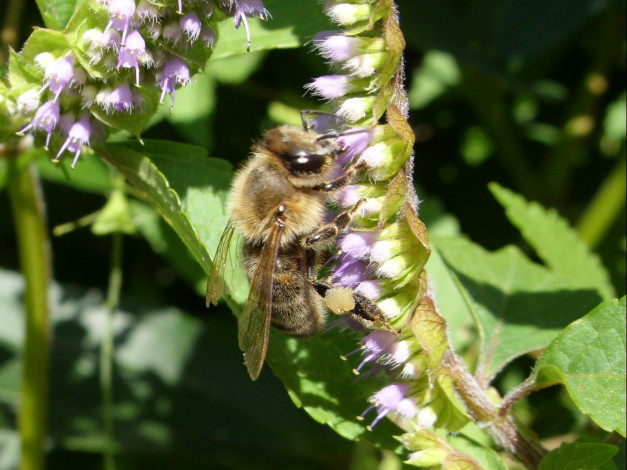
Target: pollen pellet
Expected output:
[340,300]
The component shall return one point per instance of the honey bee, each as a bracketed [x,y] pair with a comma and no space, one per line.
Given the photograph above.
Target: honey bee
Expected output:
[278,204]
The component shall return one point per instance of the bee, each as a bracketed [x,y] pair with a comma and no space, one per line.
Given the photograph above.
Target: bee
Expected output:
[278,204]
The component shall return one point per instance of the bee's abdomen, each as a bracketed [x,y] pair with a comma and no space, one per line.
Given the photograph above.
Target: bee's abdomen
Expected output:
[297,309]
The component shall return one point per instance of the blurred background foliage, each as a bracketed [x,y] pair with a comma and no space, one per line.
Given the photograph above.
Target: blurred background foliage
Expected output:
[529,93]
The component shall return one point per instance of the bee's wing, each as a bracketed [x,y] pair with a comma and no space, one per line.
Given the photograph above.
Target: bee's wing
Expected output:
[254,322]
[215,284]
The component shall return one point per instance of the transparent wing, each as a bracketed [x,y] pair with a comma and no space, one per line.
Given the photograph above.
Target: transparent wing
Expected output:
[254,322]
[215,284]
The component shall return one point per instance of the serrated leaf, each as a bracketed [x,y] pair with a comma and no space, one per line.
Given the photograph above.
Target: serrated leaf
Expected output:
[588,357]
[578,456]
[518,306]
[555,242]
[292,25]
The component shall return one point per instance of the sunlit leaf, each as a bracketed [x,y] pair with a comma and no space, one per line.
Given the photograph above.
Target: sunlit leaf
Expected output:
[518,306]
[555,242]
[588,357]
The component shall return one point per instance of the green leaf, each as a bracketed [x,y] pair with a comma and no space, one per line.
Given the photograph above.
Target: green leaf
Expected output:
[187,188]
[555,242]
[518,306]
[56,13]
[194,105]
[292,25]
[578,456]
[318,380]
[588,357]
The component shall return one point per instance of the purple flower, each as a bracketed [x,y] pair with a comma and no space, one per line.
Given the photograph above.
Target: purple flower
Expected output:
[61,74]
[392,398]
[191,26]
[357,244]
[78,135]
[337,47]
[349,271]
[46,118]
[330,87]
[175,72]
[134,50]
[121,14]
[353,143]
[241,9]
[373,345]
[119,99]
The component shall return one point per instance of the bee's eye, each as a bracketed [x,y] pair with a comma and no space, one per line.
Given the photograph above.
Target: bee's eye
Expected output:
[304,163]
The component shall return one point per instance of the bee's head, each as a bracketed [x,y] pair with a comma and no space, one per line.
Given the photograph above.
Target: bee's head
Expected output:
[303,152]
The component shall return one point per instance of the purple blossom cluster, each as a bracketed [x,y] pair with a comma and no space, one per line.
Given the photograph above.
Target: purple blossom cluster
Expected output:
[376,259]
[123,58]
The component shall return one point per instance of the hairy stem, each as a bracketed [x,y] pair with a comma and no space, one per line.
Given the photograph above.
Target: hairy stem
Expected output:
[486,413]
[34,254]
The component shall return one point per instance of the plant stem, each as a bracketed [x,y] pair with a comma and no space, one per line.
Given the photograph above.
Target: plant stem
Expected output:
[106,352]
[602,211]
[485,413]
[34,253]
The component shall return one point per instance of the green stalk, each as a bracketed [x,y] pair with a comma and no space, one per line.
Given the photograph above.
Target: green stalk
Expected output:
[34,253]
[604,208]
[106,352]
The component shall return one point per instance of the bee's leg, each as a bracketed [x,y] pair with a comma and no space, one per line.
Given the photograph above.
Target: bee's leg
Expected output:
[329,232]
[346,179]
[345,301]
[324,236]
